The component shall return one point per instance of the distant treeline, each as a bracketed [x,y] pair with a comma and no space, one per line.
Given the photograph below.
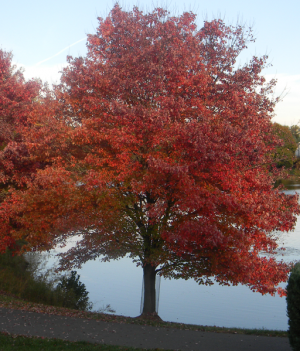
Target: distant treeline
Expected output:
[285,154]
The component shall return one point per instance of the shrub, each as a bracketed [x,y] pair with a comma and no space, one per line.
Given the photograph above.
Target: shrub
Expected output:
[17,278]
[75,294]
[293,307]
[20,277]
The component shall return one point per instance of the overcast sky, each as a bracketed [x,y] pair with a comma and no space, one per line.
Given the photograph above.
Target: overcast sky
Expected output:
[41,34]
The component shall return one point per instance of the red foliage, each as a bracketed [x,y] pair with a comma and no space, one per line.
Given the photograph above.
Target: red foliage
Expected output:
[161,150]
[19,101]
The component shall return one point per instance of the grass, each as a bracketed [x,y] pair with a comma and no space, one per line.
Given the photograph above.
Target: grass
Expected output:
[22,343]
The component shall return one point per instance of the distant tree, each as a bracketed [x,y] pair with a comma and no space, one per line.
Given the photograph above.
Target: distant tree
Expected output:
[160,152]
[295,130]
[285,153]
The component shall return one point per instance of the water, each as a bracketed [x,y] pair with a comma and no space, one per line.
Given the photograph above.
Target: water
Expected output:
[119,284]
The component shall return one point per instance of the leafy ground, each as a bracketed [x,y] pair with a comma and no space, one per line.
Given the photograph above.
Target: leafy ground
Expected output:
[12,302]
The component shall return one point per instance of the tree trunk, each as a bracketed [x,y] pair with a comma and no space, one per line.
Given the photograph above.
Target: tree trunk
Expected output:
[149,290]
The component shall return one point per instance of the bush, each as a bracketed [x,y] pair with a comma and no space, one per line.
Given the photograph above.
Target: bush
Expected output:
[293,307]
[75,294]
[17,278]
[20,277]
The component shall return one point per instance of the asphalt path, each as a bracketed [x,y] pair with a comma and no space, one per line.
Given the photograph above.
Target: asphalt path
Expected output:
[78,329]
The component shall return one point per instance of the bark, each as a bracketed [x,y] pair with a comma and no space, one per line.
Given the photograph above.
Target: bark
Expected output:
[149,290]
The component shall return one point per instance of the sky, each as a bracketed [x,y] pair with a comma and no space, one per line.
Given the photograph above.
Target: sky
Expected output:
[40,34]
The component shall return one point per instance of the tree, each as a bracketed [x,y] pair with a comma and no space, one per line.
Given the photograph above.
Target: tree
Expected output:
[285,153]
[295,130]
[161,150]
[18,101]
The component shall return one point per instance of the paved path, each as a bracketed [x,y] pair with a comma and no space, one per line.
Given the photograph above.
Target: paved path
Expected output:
[77,329]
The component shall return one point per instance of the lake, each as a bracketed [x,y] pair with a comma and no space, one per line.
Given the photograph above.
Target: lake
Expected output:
[119,283]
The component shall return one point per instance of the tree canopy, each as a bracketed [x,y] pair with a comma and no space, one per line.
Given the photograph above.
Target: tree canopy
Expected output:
[158,149]
[18,102]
